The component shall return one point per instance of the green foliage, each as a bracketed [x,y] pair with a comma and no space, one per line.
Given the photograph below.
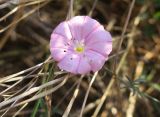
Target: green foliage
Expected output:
[36,107]
[157,15]
[149,30]
[40,103]
[140,1]
[157,3]
[156,107]
[155,86]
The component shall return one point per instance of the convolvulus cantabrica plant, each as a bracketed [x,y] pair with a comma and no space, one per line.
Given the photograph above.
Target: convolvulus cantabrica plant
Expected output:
[80,45]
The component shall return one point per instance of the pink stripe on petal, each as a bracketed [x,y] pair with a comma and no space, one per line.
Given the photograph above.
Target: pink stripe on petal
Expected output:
[75,25]
[58,53]
[95,59]
[99,35]
[103,48]
[83,67]
[58,41]
[89,26]
[69,63]
[63,30]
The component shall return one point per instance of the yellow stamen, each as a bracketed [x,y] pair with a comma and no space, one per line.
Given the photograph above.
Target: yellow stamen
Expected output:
[79,49]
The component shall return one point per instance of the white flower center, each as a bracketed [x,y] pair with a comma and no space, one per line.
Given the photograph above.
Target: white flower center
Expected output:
[79,47]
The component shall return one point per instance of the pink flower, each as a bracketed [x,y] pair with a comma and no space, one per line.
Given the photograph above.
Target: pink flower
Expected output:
[80,45]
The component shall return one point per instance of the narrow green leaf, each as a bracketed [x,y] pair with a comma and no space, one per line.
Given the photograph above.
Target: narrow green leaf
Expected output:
[35,109]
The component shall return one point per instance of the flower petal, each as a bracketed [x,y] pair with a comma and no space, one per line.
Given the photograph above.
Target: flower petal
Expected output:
[63,30]
[83,67]
[58,53]
[103,48]
[99,35]
[75,25]
[69,63]
[95,59]
[89,26]
[58,41]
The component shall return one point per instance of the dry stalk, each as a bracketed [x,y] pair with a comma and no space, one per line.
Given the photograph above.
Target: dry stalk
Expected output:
[87,93]
[103,98]
[13,24]
[133,98]
[31,91]
[66,113]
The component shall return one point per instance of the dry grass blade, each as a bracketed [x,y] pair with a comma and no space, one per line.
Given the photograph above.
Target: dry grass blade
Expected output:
[93,7]
[124,30]
[19,73]
[8,109]
[20,110]
[4,40]
[4,79]
[8,14]
[17,82]
[103,98]
[33,90]
[91,105]
[87,93]
[133,98]
[40,95]
[68,92]
[20,6]
[30,85]
[70,12]
[21,79]
[26,77]
[72,99]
